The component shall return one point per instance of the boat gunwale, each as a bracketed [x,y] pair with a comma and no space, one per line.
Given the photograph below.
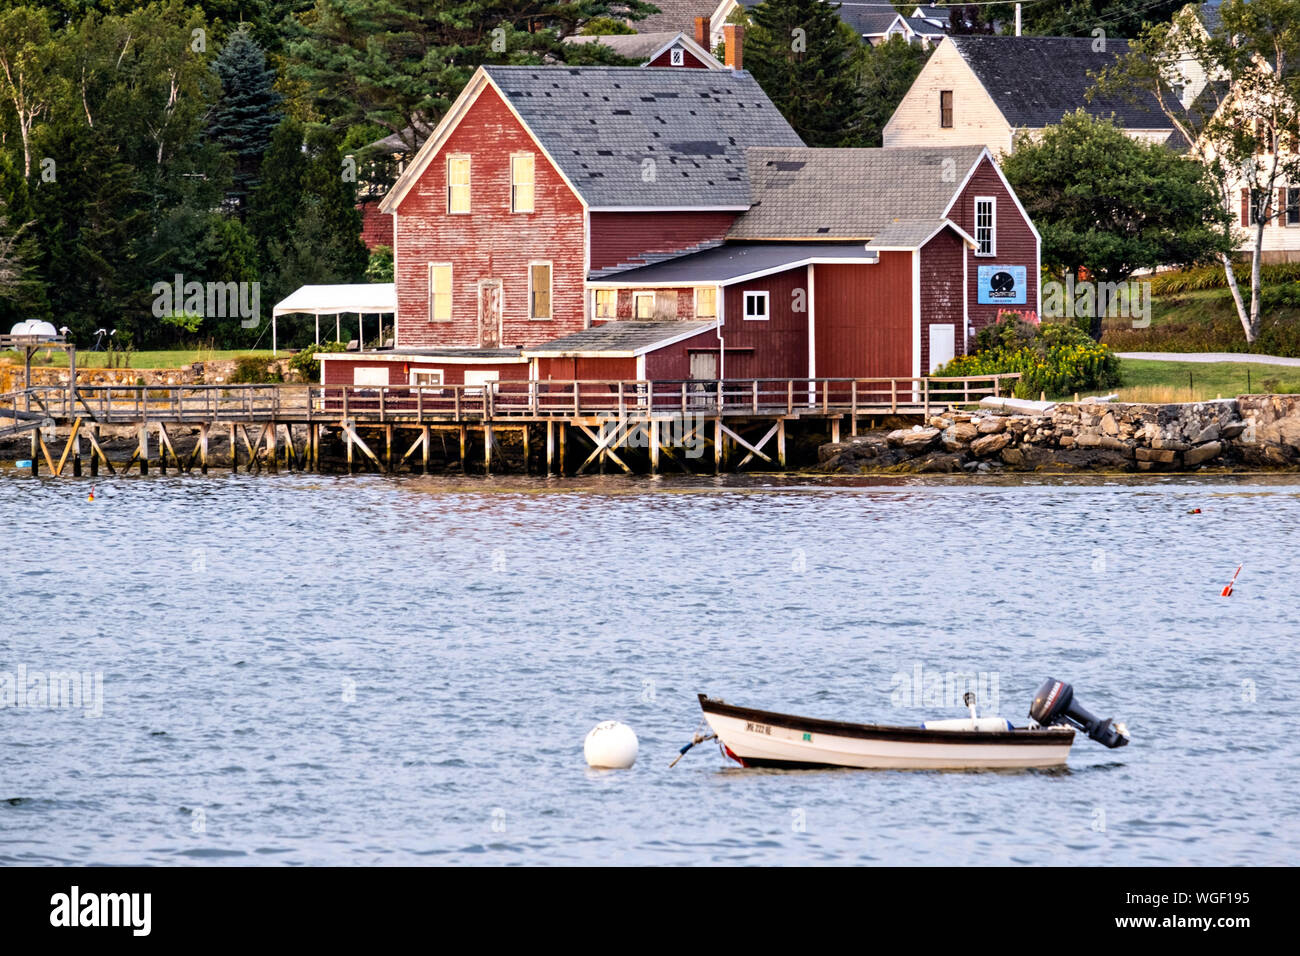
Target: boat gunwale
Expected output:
[1023,736]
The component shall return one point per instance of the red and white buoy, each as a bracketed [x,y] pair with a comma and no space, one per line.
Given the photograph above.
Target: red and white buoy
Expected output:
[1227,588]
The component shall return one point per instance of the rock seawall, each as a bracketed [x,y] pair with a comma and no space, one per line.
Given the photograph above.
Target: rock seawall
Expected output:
[1251,430]
[200,373]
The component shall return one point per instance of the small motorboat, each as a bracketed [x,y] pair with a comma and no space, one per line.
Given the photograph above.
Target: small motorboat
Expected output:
[761,738]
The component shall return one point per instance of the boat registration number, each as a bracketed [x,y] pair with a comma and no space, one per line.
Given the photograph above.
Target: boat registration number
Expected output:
[758,729]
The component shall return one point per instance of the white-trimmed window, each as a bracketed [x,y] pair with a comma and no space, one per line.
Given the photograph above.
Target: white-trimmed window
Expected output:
[439,291]
[643,305]
[1293,206]
[426,376]
[370,376]
[986,226]
[756,306]
[521,182]
[706,302]
[458,183]
[539,290]
[606,303]
[677,56]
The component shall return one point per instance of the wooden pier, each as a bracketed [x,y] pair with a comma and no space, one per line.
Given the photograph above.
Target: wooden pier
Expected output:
[582,424]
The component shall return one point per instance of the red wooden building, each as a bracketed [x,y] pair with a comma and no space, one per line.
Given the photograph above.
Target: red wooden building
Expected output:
[663,223]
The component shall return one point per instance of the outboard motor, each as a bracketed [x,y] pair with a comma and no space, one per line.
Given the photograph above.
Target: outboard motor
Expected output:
[1054,703]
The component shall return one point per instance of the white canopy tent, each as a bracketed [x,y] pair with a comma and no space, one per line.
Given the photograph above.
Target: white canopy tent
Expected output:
[377,298]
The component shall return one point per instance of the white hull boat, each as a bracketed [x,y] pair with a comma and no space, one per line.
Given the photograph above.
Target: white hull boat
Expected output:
[761,738]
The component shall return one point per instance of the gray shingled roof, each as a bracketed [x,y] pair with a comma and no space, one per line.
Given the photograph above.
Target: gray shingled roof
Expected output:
[868,19]
[806,193]
[1036,80]
[623,337]
[600,124]
[924,27]
[634,46]
[724,263]
[674,15]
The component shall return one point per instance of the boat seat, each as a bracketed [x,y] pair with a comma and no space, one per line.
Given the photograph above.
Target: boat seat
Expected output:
[981,724]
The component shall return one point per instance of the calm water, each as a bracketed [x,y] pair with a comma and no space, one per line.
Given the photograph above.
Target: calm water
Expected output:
[306,669]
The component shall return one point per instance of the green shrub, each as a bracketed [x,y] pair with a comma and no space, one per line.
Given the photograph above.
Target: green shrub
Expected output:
[1201,278]
[1279,332]
[1052,358]
[380,266]
[307,365]
[250,370]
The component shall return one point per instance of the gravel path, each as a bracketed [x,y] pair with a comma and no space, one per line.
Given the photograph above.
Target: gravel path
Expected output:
[1210,357]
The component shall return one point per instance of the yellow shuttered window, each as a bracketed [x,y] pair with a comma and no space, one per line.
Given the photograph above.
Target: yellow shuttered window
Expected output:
[458,183]
[706,303]
[439,292]
[539,288]
[521,183]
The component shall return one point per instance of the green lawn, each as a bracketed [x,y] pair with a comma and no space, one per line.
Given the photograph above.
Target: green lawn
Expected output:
[177,359]
[1149,381]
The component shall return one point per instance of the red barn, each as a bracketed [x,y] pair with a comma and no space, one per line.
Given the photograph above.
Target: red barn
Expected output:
[656,223]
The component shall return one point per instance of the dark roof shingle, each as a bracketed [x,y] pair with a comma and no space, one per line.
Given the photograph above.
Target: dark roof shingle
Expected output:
[621,337]
[646,136]
[1036,80]
[804,193]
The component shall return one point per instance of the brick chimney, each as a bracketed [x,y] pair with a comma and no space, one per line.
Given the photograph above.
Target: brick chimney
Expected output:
[733,39]
[702,31]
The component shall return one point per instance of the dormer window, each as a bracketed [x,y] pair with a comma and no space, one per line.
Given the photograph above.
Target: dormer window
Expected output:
[677,56]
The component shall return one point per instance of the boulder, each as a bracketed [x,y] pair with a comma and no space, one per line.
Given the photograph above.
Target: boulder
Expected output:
[991,426]
[958,436]
[914,440]
[1163,456]
[1202,453]
[989,445]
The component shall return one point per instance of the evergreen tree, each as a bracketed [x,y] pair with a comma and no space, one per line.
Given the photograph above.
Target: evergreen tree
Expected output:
[885,74]
[400,65]
[245,115]
[303,215]
[90,218]
[802,53]
[273,205]
[22,291]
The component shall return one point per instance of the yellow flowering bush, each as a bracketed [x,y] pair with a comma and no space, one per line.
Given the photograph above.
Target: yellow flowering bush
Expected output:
[1056,359]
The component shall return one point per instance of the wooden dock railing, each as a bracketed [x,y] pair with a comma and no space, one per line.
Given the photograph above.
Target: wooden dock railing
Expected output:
[501,401]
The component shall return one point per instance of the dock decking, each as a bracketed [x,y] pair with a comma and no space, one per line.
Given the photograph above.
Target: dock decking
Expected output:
[610,414]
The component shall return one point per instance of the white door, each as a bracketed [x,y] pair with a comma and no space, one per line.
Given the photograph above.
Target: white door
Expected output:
[943,345]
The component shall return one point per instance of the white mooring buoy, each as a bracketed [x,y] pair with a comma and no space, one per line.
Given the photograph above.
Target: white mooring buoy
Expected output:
[610,746]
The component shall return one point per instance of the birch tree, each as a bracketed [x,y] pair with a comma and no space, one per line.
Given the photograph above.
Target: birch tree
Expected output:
[29,78]
[1233,94]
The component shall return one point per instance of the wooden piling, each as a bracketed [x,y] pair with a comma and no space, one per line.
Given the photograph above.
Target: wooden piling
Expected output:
[780,441]
[550,448]
[203,449]
[653,430]
[143,448]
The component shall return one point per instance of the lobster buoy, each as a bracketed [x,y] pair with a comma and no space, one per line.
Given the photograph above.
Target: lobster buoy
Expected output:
[610,746]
